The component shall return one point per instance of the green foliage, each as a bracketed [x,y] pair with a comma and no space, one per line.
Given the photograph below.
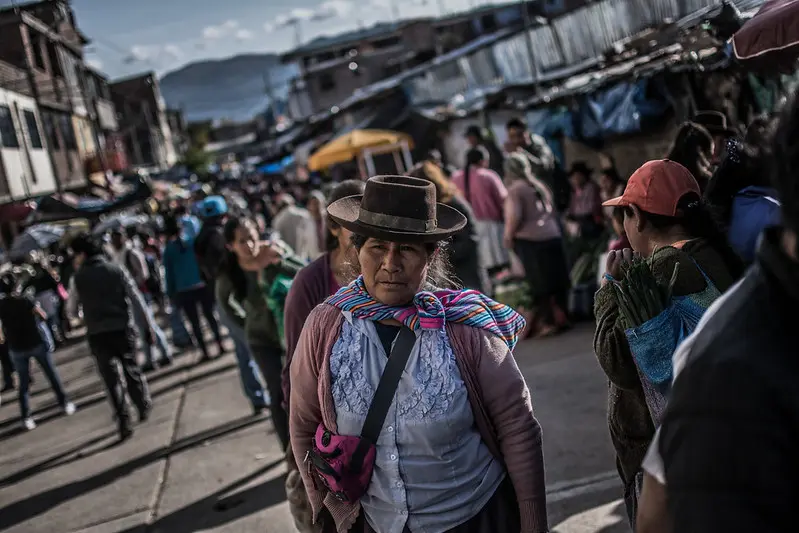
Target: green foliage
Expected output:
[640,295]
[196,160]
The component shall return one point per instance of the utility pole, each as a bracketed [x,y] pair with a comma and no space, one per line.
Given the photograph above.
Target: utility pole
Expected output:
[395,14]
[529,41]
[297,33]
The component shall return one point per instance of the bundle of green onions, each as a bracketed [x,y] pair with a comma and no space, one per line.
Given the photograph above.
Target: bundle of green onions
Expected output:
[639,294]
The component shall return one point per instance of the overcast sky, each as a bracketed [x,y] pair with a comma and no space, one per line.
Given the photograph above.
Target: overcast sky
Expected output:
[161,35]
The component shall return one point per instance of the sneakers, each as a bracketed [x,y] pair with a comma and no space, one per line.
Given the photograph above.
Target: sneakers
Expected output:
[125,432]
[144,414]
[29,424]
[69,409]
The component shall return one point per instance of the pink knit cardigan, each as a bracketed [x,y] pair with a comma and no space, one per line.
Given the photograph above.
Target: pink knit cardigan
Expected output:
[498,395]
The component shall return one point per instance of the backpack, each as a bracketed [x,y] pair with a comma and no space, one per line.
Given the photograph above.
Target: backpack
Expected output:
[753,210]
[275,285]
[209,257]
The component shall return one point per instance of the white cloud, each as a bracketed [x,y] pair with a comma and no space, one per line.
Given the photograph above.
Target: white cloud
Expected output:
[140,53]
[333,9]
[211,33]
[94,63]
[243,35]
[173,51]
[301,14]
[154,54]
[269,27]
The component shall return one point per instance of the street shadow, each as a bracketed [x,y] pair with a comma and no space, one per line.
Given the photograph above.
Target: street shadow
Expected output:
[61,459]
[52,410]
[38,504]
[217,509]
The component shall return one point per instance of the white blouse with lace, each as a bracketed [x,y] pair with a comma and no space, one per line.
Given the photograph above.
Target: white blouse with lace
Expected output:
[432,472]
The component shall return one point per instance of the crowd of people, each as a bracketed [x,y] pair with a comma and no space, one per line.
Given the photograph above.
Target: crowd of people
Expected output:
[365,317]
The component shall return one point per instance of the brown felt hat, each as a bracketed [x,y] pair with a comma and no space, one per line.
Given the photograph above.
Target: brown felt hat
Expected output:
[398,209]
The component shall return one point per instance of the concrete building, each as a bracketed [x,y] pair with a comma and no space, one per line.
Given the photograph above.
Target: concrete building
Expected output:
[41,50]
[180,132]
[146,132]
[26,170]
[332,68]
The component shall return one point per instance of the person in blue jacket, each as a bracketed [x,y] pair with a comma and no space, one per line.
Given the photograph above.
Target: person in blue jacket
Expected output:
[185,285]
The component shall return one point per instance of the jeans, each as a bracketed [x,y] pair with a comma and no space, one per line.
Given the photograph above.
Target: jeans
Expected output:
[44,357]
[180,335]
[271,363]
[190,302]
[631,493]
[108,348]
[143,324]
[248,368]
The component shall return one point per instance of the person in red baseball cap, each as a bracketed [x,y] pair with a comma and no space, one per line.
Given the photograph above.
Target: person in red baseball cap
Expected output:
[665,220]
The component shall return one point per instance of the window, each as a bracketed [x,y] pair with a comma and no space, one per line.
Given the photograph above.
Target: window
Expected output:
[326,82]
[387,42]
[67,132]
[38,57]
[8,134]
[55,64]
[33,129]
[51,130]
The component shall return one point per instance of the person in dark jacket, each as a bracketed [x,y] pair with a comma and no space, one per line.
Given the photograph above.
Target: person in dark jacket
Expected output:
[726,450]
[477,137]
[108,295]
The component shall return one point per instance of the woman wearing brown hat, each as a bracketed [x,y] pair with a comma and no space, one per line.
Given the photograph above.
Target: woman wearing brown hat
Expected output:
[665,221]
[406,402]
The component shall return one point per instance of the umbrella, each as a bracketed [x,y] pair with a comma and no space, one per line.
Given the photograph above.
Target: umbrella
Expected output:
[352,144]
[119,222]
[35,238]
[770,39]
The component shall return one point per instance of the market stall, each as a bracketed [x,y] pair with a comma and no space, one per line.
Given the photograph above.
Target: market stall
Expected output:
[363,146]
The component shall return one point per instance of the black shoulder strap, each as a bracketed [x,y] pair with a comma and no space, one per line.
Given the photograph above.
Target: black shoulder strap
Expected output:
[384,395]
[387,387]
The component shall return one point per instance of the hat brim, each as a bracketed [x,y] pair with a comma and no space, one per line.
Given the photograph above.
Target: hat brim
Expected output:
[719,130]
[345,213]
[619,201]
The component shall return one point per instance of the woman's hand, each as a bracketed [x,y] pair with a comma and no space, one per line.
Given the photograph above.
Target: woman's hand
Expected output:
[269,253]
[618,262]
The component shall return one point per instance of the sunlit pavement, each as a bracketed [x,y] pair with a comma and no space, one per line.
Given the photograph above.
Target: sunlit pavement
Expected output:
[204,463]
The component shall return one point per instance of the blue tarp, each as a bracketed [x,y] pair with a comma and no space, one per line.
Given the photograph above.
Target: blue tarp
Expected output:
[552,124]
[277,167]
[617,110]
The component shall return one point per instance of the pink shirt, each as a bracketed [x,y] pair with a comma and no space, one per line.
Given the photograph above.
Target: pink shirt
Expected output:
[486,192]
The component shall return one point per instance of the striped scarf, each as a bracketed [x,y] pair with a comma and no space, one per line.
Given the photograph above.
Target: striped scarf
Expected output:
[431,310]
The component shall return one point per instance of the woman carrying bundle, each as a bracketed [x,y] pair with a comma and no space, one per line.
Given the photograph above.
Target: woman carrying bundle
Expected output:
[668,224]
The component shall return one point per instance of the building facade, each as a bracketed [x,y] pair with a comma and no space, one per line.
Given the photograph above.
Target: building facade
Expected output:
[42,50]
[26,170]
[331,69]
[146,133]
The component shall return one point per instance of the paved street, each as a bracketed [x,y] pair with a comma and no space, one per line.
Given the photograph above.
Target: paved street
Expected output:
[204,463]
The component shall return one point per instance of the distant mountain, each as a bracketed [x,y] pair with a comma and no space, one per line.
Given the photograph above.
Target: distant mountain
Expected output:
[232,88]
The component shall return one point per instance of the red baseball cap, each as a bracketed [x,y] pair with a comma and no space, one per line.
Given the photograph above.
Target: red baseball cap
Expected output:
[657,188]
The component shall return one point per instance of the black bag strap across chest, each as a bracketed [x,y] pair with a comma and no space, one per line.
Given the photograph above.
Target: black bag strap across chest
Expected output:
[384,395]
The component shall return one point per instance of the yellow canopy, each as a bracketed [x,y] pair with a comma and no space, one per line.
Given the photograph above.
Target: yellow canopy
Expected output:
[350,145]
